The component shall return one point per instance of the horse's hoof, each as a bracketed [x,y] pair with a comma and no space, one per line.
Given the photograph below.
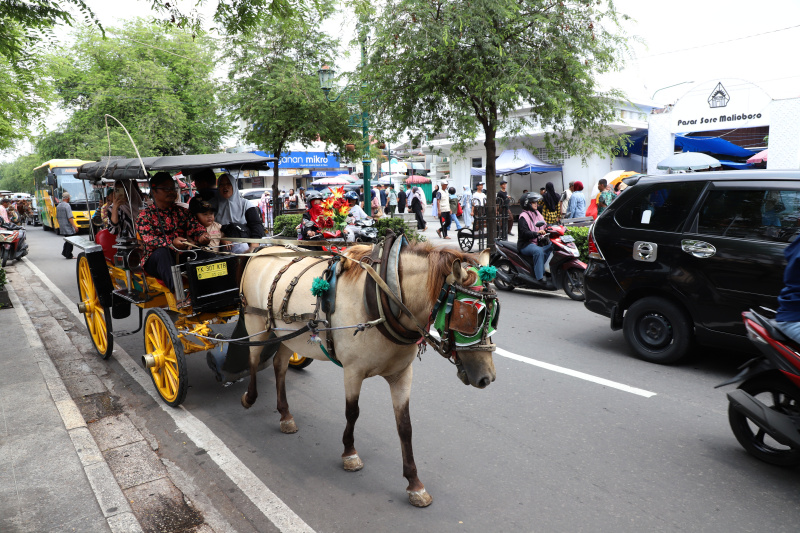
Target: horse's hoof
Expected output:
[288,426]
[245,403]
[419,498]
[353,463]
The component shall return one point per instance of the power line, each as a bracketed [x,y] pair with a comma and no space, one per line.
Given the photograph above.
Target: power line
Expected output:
[718,42]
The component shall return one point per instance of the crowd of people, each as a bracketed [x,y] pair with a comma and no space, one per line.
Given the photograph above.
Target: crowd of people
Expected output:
[15,211]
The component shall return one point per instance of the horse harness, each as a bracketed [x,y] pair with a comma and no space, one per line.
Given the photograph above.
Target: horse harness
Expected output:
[384,305]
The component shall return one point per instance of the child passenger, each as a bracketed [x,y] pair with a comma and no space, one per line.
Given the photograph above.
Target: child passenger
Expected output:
[204,211]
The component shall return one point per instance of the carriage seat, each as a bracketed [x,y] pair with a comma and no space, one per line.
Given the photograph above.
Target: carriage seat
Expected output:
[106,240]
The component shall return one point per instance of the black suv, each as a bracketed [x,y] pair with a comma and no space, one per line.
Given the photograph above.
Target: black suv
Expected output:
[676,259]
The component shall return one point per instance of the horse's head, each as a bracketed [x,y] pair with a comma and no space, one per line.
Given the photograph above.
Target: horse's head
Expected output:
[472,321]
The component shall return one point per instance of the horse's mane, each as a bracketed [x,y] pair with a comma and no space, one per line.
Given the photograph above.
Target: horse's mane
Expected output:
[440,264]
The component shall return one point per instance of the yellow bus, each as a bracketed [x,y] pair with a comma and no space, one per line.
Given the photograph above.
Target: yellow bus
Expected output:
[55,177]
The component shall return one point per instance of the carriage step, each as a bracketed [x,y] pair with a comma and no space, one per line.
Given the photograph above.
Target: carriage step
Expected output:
[129,296]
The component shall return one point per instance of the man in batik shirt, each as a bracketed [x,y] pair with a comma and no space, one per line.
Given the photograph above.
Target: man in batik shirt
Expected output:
[163,224]
[606,196]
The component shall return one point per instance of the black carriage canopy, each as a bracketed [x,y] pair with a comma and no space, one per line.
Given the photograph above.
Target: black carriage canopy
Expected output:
[131,169]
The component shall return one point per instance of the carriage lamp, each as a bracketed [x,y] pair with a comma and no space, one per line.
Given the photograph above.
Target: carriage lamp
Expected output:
[326,75]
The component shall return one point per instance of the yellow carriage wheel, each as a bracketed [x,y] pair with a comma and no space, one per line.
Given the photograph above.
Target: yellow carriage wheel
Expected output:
[299,362]
[164,357]
[97,317]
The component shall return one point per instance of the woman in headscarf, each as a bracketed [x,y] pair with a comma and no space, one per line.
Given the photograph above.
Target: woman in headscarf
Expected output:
[237,217]
[264,205]
[577,202]
[418,207]
[120,216]
[550,210]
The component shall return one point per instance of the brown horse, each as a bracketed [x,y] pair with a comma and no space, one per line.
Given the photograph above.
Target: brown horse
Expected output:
[423,270]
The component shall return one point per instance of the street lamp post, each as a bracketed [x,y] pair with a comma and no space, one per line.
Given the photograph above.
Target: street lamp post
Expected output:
[326,76]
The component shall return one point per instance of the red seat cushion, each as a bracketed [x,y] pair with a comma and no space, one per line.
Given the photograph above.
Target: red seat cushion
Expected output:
[107,240]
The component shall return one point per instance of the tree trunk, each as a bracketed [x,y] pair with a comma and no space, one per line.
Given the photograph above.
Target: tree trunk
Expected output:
[275,199]
[491,188]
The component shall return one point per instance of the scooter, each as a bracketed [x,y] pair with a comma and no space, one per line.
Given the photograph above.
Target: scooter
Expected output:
[365,230]
[764,412]
[562,270]
[12,242]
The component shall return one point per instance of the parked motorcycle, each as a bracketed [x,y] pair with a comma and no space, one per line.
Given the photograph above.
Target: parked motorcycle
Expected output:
[12,242]
[764,412]
[562,270]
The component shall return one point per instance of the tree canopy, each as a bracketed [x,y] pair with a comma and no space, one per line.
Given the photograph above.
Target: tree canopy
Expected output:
[275,90]
[502,68]
[159,84]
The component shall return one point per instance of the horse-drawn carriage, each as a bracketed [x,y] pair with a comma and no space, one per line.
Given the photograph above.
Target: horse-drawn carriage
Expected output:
[177,322]
[368,310]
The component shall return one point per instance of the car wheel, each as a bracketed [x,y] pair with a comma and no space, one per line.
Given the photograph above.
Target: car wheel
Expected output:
[658,330]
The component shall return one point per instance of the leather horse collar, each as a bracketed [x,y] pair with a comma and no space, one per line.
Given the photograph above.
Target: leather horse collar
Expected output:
[376,301]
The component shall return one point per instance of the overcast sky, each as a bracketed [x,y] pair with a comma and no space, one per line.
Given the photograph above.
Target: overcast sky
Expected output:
[683,41]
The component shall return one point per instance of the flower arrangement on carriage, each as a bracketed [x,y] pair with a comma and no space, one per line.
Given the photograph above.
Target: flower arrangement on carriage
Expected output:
[330,215]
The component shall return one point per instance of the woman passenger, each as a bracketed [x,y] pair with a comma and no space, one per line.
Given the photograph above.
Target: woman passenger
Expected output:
[237,217]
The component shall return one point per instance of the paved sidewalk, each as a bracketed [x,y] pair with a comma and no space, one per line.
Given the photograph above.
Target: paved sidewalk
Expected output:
[70,457]
[452,242]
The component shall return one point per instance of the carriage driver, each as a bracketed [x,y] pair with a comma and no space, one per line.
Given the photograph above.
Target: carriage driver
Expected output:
[163,224]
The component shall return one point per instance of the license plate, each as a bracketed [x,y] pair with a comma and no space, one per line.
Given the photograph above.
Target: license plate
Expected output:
[567,238]
[212,271]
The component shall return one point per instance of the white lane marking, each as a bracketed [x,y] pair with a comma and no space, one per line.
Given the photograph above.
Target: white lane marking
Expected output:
[267,502]
[576,374]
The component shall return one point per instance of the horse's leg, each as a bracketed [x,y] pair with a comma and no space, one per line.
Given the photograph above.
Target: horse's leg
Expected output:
[253,324]
[352,390]
[280,364]
[400,387]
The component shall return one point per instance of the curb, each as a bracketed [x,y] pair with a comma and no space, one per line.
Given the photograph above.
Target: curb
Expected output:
[112,501]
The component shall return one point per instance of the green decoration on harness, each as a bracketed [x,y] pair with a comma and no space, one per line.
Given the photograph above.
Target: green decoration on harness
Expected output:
[319,287]
[487,273]
[485,320]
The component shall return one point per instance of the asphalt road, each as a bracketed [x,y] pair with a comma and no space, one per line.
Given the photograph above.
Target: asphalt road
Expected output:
[549,446]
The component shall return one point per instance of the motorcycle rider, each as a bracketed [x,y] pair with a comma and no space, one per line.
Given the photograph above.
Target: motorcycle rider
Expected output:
[528,242]
[355,214]
[788,315]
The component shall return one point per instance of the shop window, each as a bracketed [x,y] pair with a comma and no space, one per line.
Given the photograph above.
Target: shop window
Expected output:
[753,214]
[477,162]
[662,207]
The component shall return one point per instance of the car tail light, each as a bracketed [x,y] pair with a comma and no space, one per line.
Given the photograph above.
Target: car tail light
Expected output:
[594,251]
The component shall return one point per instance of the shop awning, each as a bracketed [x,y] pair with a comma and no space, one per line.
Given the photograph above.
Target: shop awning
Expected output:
[517,162]
[711,145]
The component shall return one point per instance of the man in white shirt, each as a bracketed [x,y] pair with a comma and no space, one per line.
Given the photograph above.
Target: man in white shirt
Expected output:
[355,214]
[479,198]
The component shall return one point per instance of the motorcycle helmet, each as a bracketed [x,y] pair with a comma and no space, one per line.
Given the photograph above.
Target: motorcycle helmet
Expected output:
[311,196]
[528,198]
[351,195]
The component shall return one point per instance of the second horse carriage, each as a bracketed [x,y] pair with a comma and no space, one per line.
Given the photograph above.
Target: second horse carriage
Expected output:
[175,322]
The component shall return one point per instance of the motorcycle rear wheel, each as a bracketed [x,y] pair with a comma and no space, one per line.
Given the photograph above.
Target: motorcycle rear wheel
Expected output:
[508,269]
[778,395]
[572,282]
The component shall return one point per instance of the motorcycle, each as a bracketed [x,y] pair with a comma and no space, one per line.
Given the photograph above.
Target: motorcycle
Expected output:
[562,269]
[365,230]
[764,411]
[12,242]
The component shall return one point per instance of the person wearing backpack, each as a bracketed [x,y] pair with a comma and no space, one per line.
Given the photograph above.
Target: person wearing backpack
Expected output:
[455,207]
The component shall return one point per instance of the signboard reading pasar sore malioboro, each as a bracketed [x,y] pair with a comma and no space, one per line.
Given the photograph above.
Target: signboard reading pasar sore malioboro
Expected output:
[721,104]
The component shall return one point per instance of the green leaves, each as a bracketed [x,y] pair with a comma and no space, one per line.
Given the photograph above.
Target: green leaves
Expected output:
[158,84]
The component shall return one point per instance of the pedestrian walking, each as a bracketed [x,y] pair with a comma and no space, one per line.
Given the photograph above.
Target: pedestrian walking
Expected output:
[418,207]
[443,201]
[606,196]
[550,210]
[301,198]
[466,206]
[384,197]
[401,200]
[577,202]
[66,224]
[565,196]
[505,202]
[454,205]
[391,200]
